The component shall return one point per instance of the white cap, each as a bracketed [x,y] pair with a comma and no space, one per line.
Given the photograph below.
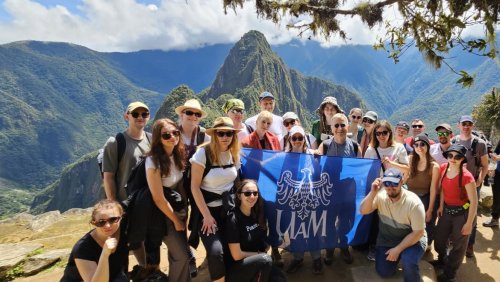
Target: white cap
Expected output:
[290,115]
[297,129]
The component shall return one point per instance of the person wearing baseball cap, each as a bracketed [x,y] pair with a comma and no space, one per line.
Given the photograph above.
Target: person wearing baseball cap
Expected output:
[402,129]
[401,235]
[444,134]
[290,119]
[267,103]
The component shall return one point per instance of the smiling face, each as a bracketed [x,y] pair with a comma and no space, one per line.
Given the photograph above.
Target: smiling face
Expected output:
[339,128]
[329,110]
[169,136]
[418,127]
[105,215]
[248,196]
[401,134]
[263,124]
[236,115]
[190,117]
[444,136]
[138,118]
[224,138]
[466,128]
[355,116]
[420,148]
[297,141]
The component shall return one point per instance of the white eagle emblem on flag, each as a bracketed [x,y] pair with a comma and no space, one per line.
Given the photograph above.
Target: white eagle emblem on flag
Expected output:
[304,195]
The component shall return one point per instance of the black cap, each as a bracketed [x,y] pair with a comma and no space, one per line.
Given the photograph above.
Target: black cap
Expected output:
[458,148]
[423,138]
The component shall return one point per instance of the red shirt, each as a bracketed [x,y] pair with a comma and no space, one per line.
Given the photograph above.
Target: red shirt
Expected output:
[450,188]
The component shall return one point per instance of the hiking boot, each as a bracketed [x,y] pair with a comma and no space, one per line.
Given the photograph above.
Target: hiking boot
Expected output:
[371,253]
[294,266]
[492,223]
[329,256]
[470,251]
[346,255]
[193,270]
[317,266]
[276,256]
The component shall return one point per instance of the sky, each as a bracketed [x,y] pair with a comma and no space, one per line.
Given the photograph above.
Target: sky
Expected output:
[131,25]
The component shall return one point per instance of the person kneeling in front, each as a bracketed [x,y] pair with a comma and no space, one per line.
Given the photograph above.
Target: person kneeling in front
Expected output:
[401,228]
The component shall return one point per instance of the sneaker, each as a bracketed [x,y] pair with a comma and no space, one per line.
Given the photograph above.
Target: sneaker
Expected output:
[193,270]
[329,256]
[371,253]
[317,266]
[294,266]
[470,251]
[276,256]
[346,255]
[492,223]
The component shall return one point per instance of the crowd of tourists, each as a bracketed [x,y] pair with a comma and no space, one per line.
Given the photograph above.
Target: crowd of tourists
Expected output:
[427,193]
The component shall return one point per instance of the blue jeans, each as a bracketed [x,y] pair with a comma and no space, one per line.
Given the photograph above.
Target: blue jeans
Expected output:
[410,258]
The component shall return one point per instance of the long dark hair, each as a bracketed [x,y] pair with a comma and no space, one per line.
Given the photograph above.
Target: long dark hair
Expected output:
[257,211]
[374,141]
[416,158]
[157,153]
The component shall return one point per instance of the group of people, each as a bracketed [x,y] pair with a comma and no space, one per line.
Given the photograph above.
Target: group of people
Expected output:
[187,165]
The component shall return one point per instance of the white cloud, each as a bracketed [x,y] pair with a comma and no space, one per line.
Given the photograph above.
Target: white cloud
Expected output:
[128,25]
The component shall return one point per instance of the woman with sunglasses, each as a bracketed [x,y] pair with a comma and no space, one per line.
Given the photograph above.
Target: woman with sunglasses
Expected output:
[235,110]
[368,123]
[355,129]
[297,141]
[245,233]
[457,212]
[262,138]
[210,187]
[102,253]
[321,129]
[423,179]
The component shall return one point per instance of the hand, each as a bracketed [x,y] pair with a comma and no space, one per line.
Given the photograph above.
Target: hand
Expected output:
[109,246]
[428,216]
[466,229]
[393,254]
[179,225]
[386,162]
[440,211]
[376,185]
[209,225]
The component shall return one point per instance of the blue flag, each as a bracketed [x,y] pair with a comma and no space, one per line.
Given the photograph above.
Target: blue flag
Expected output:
[312,202]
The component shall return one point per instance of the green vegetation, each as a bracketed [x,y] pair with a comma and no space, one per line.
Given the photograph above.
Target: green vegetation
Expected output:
[487,114]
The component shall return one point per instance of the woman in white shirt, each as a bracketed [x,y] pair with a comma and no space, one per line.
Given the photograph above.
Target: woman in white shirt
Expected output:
[211,181]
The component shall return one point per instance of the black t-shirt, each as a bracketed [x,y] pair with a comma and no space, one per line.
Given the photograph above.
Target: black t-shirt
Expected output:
[246,231]
[88,249]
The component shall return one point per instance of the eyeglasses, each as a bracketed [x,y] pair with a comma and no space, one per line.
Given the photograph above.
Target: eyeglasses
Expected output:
[467,123]
[237,111]
[287,123]
[136,114]
[417,126]
[368,120]
[356,117]
[249,193]
[111,220]
[190,113]
[381,133]
[337,125]
[390,184]
[224,133]
[168,135]
[457,157]
[298,138]
[443,134]
[419,144]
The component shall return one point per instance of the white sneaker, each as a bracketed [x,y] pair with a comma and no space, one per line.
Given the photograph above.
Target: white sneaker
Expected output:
[492,223]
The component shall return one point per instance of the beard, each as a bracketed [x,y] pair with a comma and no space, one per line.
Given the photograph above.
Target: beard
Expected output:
[394,194]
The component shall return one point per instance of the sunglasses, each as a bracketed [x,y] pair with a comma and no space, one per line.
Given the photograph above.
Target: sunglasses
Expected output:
[368,120]
[381,133]
[457,157]
[443,134]
[249,193]
[390,184]
[287,123]
[356,117]
[237,111]
[111,220]
[190,113]
[419,144]
[224,133]
[299,138]
[337,125]
[467,123]
[417,126]
[136,114]
[168,135]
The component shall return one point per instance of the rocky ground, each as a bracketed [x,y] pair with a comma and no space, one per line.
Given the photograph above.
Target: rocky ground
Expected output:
[35,248]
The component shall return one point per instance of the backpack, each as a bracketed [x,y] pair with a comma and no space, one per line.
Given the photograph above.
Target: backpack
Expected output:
[121,144]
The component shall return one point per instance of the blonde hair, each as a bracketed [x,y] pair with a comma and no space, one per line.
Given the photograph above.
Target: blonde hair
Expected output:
[264,115]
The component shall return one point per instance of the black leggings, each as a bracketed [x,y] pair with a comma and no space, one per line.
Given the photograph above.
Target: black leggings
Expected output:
[214,246]
[254,268]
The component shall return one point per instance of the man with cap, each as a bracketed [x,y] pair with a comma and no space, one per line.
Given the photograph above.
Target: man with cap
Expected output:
[402,129]
[267,103]
[418,126]
[477,162]
[401,228]
[116,169]
[444,134]
[290,119]
[235,110]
